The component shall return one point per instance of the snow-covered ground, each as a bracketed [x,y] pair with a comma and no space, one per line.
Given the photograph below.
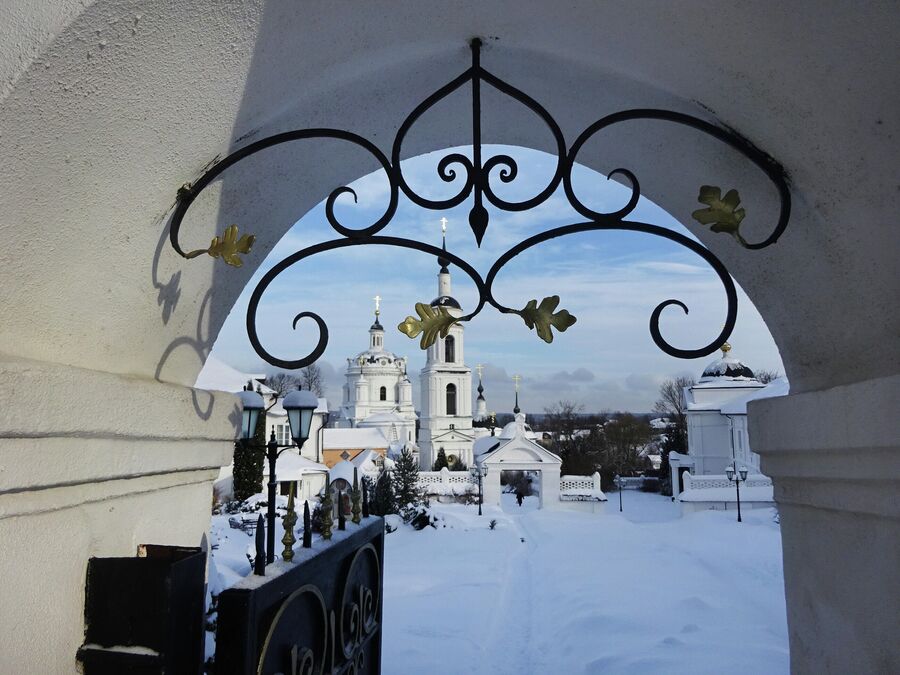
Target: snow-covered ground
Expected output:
[566,592]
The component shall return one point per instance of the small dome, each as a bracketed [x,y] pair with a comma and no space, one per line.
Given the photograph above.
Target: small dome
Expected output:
[727,367]
[445,301]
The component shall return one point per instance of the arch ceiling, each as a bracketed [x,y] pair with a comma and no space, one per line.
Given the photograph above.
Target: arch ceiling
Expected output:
[105,110]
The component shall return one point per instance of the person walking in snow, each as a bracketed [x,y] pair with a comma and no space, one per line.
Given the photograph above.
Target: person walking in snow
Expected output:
[520,497]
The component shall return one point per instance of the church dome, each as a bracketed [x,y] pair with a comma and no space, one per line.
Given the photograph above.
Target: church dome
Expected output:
[445,301]
[727,367]
[372,357]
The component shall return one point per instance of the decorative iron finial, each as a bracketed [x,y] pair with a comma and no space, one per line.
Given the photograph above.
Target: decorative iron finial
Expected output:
[259,562]
[289,520]
[307,525]
[365,499]
[356,498]
[725,349]
[342,519]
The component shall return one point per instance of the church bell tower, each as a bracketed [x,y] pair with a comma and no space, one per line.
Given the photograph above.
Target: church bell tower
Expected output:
[446,387]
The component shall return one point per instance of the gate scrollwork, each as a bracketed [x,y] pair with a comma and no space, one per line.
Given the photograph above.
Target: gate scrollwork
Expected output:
[307,638]
[722,214]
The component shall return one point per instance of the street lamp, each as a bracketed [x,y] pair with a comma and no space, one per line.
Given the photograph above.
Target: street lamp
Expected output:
[479,472]
[251,405]
[299,406]
[738,478]
[618,482]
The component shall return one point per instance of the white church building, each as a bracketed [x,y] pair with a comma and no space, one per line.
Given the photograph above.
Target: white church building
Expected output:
[377,392]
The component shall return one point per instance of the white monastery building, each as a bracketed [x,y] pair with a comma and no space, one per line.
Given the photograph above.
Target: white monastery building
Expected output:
[717,434]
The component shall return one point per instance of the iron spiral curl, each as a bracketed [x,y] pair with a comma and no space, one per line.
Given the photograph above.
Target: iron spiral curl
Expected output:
[477,173]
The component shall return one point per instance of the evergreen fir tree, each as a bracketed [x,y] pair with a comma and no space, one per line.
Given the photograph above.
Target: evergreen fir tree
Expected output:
[406,484]
[459,465]
[248,462]
[381,491]
[441,461]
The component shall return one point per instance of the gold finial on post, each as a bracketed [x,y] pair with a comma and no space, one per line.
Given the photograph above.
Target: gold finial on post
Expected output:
[326,509]
[289,520]
[725,349]
[377,300]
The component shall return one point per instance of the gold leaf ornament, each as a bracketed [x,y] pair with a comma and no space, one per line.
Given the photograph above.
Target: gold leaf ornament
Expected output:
[229,247]
[543,317]
[722,213]
[431,323]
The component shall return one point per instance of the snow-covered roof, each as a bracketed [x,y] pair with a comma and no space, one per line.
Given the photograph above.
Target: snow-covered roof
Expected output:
[509,431]
[738,406]
[291,466]
[515,447]
[342,469]
[389,417]
[216,375]
[359,437]
[486,444]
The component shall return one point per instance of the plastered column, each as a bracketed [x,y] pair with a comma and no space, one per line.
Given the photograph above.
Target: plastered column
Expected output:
[834,456]
[92,464]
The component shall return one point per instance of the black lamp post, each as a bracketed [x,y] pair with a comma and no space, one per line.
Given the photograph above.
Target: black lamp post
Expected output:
[738,477]
[299,406]
[479,472]
[618,482]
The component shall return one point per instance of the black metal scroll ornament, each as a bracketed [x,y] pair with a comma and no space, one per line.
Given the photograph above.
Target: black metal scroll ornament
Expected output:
[722,214]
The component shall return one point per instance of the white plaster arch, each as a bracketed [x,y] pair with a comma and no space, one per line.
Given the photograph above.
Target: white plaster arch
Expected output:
[107,107]
[133,101]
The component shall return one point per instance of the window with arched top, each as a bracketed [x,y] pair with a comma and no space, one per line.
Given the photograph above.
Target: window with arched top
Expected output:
[451,399]
[382,394]
[449,349]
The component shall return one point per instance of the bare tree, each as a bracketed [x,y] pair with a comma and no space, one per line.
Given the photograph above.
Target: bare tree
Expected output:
[282,383]
[671,399]
[671,405]
[766,376]
[562,419]
[309,378]
[312,379]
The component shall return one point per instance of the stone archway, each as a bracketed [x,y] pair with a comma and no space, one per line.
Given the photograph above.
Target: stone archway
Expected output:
[106,109]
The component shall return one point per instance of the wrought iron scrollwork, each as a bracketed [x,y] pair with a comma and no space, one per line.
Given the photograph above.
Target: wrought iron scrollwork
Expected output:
[336,638]
[721,213]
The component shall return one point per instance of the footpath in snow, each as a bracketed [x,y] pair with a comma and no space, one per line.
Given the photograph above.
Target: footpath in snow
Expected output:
[561,592]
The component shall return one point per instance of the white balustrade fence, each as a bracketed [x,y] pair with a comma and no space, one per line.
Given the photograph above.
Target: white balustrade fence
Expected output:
[446,482]
[580,488]
[704,482]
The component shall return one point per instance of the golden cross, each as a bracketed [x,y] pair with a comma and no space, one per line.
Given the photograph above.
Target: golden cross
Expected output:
[443,225]
[480,370]
[516,379]
[377,299]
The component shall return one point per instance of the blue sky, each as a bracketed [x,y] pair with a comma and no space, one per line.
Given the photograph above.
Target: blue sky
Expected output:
[610,280]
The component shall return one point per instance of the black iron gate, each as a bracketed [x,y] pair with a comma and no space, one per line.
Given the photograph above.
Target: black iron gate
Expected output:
[319,614]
